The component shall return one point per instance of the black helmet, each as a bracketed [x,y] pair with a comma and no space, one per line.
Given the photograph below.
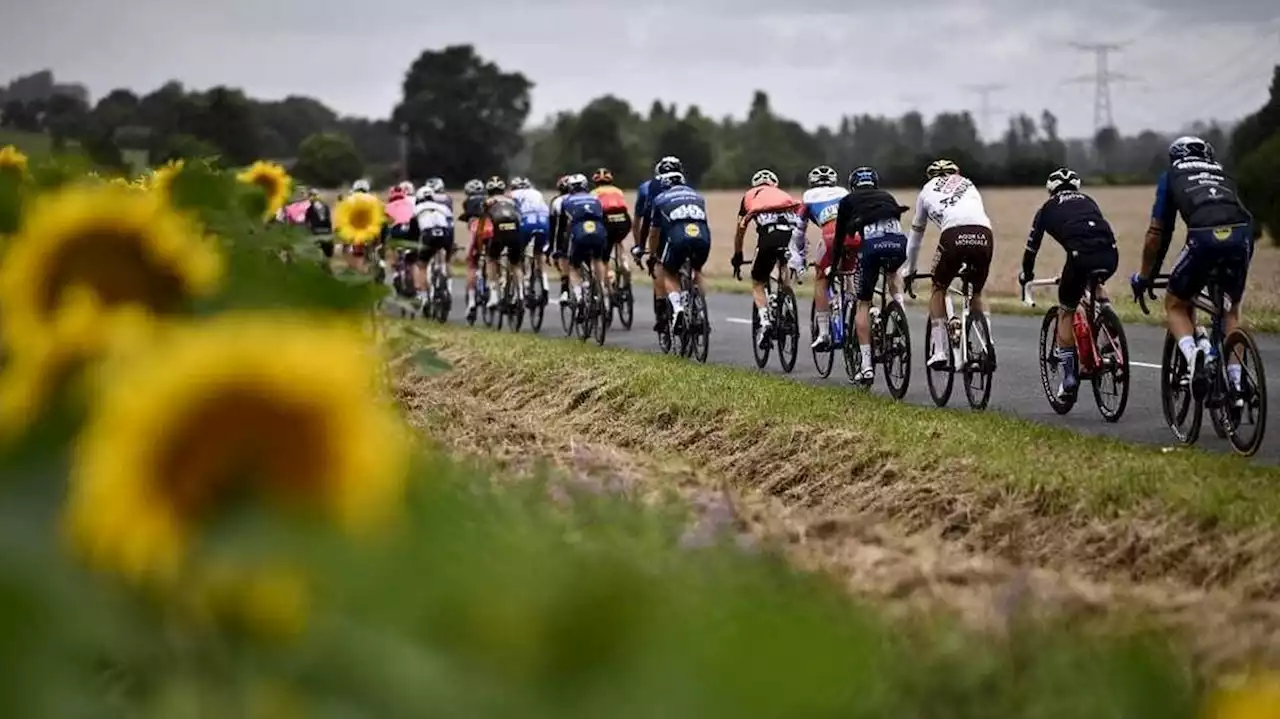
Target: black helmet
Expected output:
[1062,179]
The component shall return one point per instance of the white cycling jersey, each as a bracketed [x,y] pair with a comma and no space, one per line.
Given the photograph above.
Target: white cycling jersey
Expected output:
[529,200]
[432,214]
[946,201]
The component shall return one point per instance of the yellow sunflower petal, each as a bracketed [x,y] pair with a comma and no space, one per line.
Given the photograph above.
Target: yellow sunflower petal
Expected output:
[358,218]
[129,248]
[161,180]
[284,407]
[12,159]
[1255,697]
[274,182]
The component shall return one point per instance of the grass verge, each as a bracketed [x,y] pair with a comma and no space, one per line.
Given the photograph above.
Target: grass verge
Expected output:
[1023,491]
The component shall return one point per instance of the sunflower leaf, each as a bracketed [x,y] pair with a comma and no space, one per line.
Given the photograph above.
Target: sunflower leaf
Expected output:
[10,202]
[429,363]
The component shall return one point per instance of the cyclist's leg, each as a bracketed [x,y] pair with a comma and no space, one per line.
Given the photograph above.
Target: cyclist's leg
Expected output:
[699,252]
[474,252]
[1233,272]
[946,265]
[1189,275]
[980,242]
[493,253]
[821,303]
[761,267]
[674,253]
[1071,286]
[866,272]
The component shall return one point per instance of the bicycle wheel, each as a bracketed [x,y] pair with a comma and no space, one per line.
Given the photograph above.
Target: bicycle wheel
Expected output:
[822,361]
[700,327]
[585,316]
[1111,377]
[1182,412]
[568,317]
[895,350]
[1050,365]
[516,306]
[761,354]
[787,329]
[1252,393]
[603,318]
[625,302]
[978,371]
[537,304]
[942,380]
[852,357]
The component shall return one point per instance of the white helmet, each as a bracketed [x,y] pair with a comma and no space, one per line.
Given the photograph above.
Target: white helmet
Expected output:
[360,186]
[764,177]
[424,194]
[937,168]
[1061,179]
[435,184]
[520,183]
[473,187]
[823,176]
[668,164]
[576,182]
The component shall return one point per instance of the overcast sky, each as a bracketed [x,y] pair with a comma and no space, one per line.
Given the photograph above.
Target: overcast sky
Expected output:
[817,59]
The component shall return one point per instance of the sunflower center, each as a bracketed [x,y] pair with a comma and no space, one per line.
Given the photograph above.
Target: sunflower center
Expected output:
[266,183]
[242,440]
[117,267]
[361,217]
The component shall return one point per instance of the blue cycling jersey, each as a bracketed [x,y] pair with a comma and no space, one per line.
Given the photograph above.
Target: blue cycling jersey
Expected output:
[680,213]
[583,215]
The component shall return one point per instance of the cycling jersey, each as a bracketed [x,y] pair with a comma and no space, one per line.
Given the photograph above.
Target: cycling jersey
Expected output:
[948,201]
[864,207]
[535,216]
[443,198]
[1219,229]
[559,238]
[582,216]
[318,218]
[1075,221]
[680,215]
[769,207]
[472,207]
[819,207]
[431,214]
[645,194]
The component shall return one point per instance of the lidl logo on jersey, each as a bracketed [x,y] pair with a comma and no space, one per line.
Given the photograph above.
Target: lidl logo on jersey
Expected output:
[692,230]
[1222,234]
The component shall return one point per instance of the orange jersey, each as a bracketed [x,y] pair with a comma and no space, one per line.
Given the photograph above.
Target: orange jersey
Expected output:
[611,198]
[765,198]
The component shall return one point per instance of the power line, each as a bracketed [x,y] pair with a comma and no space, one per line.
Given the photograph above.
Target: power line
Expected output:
[985,110]
[1101,79]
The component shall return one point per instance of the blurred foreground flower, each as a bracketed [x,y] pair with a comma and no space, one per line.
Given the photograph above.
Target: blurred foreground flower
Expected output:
[1257,697]
[127,248]
[274,182]
[161,179]
[12,160]
[358,219]
[275,407]
[269,602]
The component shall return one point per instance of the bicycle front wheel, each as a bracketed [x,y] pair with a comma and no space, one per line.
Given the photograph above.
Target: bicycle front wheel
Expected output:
[978,371]
[895,350]
[941,381]
[822,360]
[787,329]
[761,354]
[1182,412]
[1111,378]
[1246,404]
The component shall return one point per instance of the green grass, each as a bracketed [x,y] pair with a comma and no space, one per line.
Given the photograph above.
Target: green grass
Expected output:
[985,451]
[33,144]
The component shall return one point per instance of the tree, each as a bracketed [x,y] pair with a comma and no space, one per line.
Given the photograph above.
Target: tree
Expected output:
[328,159]
[1258,128]
[685,140]
[462,114]
[1106,142]
[228,122]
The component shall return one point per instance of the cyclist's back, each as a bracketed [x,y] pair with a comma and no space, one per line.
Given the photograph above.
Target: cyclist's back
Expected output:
[680,215]
[582,216]
[952,202]
[616,215]
[776,214]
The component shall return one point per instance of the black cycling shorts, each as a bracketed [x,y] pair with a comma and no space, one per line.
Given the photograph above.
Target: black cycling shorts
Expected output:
[771,249]
[505,241]
[1074,279]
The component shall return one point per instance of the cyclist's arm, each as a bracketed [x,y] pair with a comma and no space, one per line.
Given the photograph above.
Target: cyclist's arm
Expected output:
[740,232]
[916,237]
[641,225]
[1033,242]
[1164,213]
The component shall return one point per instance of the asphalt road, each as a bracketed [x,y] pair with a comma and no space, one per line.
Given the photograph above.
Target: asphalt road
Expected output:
[1016,387]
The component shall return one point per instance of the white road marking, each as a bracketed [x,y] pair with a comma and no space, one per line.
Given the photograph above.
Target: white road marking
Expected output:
[1143,364]
[737,320]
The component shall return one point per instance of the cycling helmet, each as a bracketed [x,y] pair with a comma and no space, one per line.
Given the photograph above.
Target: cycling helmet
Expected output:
[938,168]
[495,186]
[562,184]
[576,182]
[1062,179]
[863,178]
[667,165]
[396,193]
[434,184]
[823,176]
[360,186]
[473,187]
[764,177]
[1189,147]
[406,187]
[602,176]
[520,183]
[424,194]
[670,179]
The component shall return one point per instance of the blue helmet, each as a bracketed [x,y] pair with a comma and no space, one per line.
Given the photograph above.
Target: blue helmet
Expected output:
[864,178]
[1190,147]
[670,179]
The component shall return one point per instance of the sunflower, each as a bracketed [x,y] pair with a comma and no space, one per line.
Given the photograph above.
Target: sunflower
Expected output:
[274,182]
[241,405]
[128,248]
[12,160]
[358,219]
[161,180]
[1256,696]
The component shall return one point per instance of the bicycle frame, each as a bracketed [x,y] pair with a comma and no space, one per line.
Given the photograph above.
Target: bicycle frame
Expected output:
[965,299]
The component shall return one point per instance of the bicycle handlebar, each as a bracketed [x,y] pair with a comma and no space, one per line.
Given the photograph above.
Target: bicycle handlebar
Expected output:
[911,291]
[1158,282]
[1030,301]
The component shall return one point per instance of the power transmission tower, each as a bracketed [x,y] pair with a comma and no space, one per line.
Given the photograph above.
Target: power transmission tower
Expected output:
[1101,79]
[985,110]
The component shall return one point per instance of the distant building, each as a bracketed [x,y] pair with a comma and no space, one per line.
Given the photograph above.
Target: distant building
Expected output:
[41,86]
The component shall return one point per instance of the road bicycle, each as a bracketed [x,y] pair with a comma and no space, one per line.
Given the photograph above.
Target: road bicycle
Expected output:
[1102,350]
[439,296]
[482,297]
[535,292]
[691,337]
[890,340]
[590,317]
[784,320]
[1230,407]
[623,300]
[511,302]
[971,352]
[838,331]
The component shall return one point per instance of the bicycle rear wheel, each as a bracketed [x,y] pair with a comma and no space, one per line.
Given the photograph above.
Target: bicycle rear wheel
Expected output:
[567,317]
[941,381]
[850,350]
[625,301]
[978,371]
[1182,412]
[895,349]
[787,328]
[602,318]
[761,354]
[1111,377]
[822,361]
[700,327]
[1252,392]
[1050,365]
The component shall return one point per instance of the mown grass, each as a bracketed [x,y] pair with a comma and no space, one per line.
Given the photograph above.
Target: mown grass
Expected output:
[35,144]
[1065,471]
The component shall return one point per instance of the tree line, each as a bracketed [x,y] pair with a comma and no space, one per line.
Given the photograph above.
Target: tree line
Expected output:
[461,116]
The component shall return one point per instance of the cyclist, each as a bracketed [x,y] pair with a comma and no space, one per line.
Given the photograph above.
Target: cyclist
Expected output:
[868,221]
[952,202]
[680,228]
[398,230]
[776,215]
[535,224]
[617,218]
[500,223]
[434,223]
[472,207]
[559,238]
[319,221]
[820,204]
[643,219]
[1219,238]
[1076,222]
[582,217]
[435,186]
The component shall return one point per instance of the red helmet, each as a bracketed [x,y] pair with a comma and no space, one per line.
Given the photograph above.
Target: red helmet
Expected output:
[395,194]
